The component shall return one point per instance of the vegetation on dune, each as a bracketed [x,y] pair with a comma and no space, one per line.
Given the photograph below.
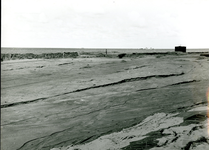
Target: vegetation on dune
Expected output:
[14,56]
[36,56]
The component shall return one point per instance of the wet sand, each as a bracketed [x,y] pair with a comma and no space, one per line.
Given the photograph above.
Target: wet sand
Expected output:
[89,102]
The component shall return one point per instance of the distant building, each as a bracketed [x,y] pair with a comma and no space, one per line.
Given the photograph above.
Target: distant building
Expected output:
[180,49]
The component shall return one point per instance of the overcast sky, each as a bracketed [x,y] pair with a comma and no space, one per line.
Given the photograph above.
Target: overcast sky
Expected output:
[105,23]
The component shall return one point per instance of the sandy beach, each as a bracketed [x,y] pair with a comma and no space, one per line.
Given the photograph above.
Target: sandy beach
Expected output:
[140,101]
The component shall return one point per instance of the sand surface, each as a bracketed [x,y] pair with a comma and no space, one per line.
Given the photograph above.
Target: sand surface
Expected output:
[146,102]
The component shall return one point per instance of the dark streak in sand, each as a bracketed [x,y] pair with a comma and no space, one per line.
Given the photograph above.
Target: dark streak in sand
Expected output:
[93,87]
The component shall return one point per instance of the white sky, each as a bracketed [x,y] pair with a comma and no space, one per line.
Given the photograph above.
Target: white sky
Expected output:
[105,23]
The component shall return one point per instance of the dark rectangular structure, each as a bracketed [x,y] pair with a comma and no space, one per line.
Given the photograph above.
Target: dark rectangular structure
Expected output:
[180,49]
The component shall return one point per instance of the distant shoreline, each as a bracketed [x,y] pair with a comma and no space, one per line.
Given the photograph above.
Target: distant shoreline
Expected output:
[119,50]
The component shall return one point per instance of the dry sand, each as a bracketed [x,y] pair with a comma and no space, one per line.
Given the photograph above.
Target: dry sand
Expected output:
[174,136]
[123,138]
[146,102]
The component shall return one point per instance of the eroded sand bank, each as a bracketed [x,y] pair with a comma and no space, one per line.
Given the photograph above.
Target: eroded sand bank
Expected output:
[174,135]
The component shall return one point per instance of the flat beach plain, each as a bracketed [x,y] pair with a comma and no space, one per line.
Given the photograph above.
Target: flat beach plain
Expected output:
[137,102]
